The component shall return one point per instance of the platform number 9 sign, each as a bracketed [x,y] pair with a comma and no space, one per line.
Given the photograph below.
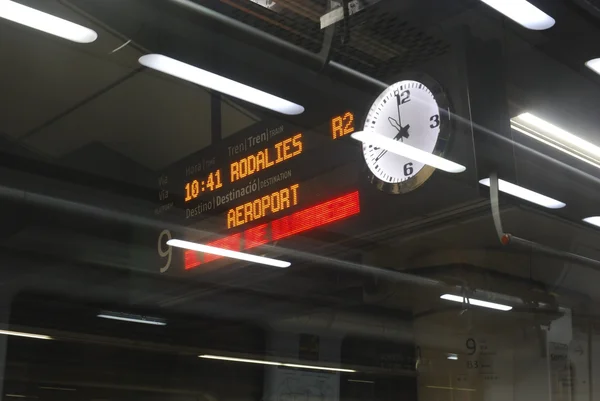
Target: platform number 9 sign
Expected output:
[471,346]
[164,250]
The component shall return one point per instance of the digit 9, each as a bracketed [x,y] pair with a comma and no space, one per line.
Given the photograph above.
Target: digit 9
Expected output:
[168,253]
[471,346]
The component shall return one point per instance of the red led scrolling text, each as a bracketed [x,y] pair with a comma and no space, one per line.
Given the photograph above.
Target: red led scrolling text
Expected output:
[304,220]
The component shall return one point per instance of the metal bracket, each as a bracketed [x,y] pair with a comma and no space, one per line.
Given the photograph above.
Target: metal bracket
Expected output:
[342,9]
[495,203]
[509,239]
[325,53]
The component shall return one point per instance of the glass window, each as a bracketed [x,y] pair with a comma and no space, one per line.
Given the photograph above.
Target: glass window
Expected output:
[299,200]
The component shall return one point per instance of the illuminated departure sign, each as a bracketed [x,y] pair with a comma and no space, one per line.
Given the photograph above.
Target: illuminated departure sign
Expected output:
[255,185]
[304,220]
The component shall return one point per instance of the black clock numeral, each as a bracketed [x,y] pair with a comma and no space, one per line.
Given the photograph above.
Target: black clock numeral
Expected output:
[435,120]
[471,346]
[408,169]
[405,97]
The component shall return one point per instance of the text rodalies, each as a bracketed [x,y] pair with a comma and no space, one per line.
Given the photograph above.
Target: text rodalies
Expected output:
[268,157]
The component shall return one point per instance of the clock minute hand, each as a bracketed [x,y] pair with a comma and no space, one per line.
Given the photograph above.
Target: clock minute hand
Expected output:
[399,102]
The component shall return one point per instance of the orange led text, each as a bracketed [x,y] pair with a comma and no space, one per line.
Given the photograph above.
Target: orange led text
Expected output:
[342,125]
[266,158]
[259,208]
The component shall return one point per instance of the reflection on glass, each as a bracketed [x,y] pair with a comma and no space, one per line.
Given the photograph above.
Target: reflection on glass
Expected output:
[402,149]
[523,13]
[45,22]
[556,137]
[476,302]
[273,363]
[594,65]
[594,220]
[525,194]
[27,335]
[125,317]
[227,253]
[224,85]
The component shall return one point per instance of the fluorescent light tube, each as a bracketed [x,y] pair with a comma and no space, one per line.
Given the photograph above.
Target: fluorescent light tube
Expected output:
[410,152]
[476,302]
[594,65]
[231,359]
[221,84]
[28,335]
[451,388]
[523,13]
[556,137]
[132,318]
[227,253]
[594,220]
[273,363]
[58,388]
[525,194]
[293,365]
[45,22]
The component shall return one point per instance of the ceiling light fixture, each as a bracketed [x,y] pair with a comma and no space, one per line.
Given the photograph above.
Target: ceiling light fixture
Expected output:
[450,388]
[126,317]
[294,365]
[594,220]
[58,388]
[273,363]
[525,194]
[594,65]
[221,84]
[227,253]
[42,21]
[476,302]
[402,149]
[523,13]
[27,335]
[556,137]
[232,359]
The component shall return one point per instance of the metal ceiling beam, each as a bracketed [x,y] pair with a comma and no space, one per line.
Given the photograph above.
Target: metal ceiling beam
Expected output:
[279,46]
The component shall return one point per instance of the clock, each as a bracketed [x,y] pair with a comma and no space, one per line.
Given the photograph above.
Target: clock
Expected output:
[414,111]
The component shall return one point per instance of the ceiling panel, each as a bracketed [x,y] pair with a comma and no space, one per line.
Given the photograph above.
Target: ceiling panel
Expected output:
[151,119]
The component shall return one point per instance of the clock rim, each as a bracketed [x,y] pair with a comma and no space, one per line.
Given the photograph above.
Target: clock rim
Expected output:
[441,145]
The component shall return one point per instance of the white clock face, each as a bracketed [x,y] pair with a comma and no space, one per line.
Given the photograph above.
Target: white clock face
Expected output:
[408,112]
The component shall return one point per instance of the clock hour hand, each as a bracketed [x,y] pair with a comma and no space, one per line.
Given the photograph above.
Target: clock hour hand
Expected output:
[395,124]
[402,133]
